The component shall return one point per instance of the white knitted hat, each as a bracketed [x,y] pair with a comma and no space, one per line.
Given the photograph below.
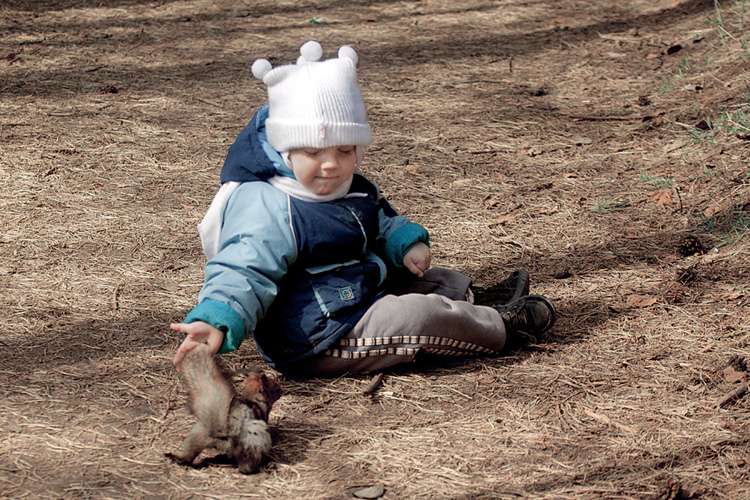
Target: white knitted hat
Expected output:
[314,104]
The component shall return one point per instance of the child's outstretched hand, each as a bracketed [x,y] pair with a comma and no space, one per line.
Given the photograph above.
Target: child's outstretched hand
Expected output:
[417,259]
[197,333]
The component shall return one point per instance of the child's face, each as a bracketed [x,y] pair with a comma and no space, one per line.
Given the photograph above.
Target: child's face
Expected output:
[323,171]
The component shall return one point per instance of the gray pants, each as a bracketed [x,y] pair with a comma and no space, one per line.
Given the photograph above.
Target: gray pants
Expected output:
[431,317]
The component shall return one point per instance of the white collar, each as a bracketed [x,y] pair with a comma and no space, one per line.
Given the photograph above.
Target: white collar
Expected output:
[294,188]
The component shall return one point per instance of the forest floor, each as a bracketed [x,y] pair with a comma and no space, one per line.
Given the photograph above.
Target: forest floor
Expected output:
[601,145]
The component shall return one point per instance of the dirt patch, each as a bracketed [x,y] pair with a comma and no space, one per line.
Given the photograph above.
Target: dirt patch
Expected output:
[601,145]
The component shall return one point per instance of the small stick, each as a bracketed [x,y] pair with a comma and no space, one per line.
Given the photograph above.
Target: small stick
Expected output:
[679,198]
[169,401]
[373,385]
[116,300]
[610,118]
[733,396]
[430,193]
[608,421]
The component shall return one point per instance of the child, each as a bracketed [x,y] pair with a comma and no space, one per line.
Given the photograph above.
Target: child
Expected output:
[308,258]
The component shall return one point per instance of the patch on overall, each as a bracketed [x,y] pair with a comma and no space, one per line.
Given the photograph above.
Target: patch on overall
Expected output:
[346,293]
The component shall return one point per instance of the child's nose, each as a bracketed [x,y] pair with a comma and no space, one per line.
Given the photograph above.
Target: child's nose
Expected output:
[330,162]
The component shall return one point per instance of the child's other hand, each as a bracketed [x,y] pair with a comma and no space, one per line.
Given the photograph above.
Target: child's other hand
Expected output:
[417,259]
[197,333]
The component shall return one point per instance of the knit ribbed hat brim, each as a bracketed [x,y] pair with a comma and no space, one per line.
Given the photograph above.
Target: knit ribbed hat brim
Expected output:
[314,104]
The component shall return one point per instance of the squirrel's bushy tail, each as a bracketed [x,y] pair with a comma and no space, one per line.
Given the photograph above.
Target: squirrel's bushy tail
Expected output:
[211,392]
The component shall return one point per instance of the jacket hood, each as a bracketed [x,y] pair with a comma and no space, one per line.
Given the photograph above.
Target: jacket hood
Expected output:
[251,157]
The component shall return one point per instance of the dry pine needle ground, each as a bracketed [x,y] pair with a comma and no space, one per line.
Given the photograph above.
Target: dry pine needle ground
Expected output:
[598,144]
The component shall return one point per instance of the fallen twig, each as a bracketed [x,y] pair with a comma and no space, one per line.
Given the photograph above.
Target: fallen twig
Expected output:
[608,421]
[732,396]
[612,118]
[373,385]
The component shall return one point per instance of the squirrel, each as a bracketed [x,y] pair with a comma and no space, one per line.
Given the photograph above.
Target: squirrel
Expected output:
[234,424]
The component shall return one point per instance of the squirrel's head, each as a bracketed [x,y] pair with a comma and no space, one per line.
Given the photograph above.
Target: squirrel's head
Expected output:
[260,388]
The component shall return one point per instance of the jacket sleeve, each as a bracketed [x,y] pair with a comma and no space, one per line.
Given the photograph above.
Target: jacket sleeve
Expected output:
[399,234]
[256,248]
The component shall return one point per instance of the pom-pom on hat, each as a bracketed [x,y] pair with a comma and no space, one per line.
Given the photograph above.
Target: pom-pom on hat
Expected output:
[314,103]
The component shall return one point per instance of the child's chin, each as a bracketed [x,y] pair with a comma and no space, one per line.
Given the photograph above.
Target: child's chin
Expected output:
[325,190]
